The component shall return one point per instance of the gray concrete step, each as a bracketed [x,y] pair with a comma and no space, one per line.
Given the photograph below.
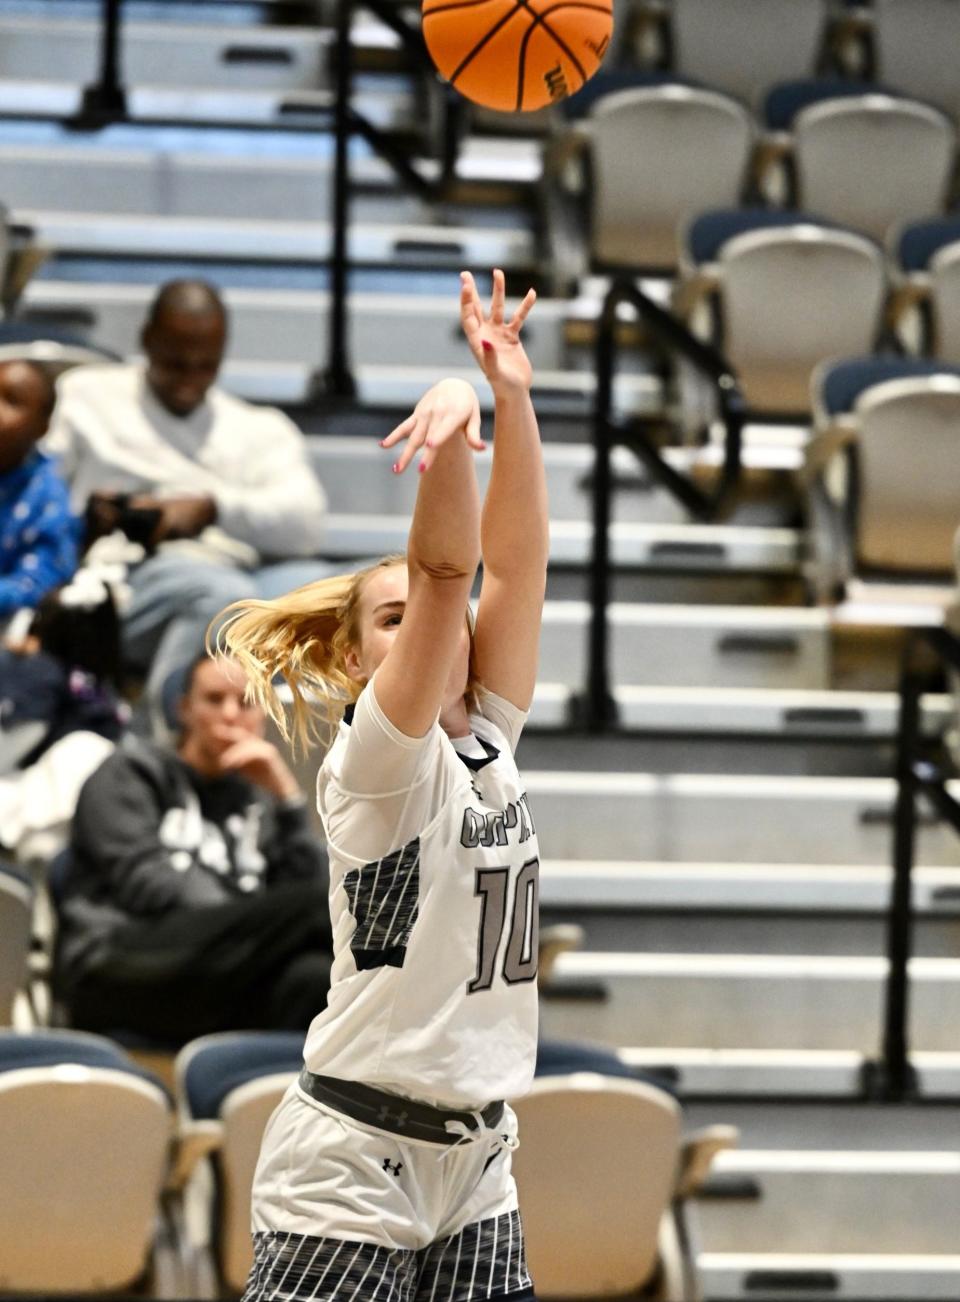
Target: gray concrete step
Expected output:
[745,1001]
[869,1277]
[725,819]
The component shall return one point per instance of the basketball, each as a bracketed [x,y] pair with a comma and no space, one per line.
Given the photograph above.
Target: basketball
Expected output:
[517,55]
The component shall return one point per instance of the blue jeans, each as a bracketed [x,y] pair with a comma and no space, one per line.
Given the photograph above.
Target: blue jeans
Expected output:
[174,599]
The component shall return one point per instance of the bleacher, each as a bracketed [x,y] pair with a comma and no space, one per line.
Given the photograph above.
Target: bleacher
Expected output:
[724,837]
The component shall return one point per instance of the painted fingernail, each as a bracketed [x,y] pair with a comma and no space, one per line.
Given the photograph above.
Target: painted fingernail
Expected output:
[396,467]
[428,443]
[487,347]
[423,466]
[383,443]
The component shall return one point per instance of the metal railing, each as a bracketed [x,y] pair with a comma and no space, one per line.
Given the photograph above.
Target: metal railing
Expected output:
[595,709]
[105,102]
[923,769]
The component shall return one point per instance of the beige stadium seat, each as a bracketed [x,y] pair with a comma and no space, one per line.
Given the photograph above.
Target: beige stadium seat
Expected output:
[744,46]
[861,157]
[925,307]
[603,1173]
[883,471]
[917,45]
[85,1148]
[227,1086]
[16,908]
[599,201]
[787,292]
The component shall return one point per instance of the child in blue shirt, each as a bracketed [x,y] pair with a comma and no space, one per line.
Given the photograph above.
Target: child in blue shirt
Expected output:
[38,546]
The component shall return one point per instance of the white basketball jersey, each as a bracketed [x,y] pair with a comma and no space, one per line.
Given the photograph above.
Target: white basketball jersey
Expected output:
[433,896]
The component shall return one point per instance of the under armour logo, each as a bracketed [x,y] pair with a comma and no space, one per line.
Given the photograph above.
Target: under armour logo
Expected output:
[395,1167]
[385,1116]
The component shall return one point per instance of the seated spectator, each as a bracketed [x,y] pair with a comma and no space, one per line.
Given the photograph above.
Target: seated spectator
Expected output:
[219,491]
[37,534]
[195,896]
[61,714]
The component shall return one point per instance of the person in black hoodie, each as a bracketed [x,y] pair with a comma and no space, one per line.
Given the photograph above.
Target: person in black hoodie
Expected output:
[193,898]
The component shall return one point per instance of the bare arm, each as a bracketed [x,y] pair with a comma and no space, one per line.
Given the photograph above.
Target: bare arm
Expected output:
[514,532]
[443,550]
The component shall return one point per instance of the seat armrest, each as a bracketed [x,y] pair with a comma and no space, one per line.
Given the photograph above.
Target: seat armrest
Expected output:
[772,150]
[911,293]
[694,289]
[554,941]
[697,1154]
[564,157]
[825,445]
[193,1141]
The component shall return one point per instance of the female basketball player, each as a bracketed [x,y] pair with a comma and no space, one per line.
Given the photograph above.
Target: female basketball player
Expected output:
[385,1173]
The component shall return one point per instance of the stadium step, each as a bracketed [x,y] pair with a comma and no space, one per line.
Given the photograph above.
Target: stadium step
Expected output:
[659,548]
[813,1202]
[715,818]
[682,645]
[776,1074]
[738,711]
[747,1001]
[792,1277]
[754,908]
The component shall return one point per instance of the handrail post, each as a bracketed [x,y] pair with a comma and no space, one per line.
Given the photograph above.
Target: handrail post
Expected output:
[105,100]
[596,709]
[338,381]
[893,1077]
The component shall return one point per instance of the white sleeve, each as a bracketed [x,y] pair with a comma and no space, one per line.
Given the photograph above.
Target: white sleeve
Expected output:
[379,759]
[503,715]
[387,787]
[278,504]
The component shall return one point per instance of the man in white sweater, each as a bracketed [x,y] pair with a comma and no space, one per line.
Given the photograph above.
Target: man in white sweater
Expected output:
[220,491]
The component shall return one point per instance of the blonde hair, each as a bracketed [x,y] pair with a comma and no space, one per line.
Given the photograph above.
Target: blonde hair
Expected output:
[302,637]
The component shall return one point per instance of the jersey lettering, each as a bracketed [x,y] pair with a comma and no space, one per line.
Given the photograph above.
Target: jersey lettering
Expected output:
[520,959]
[492,828]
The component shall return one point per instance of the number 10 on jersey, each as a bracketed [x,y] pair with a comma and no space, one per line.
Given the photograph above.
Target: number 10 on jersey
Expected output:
[520,954]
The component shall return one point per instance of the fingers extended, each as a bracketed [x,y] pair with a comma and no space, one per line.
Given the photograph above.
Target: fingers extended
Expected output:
[496,299]
[523,311]
[402,430]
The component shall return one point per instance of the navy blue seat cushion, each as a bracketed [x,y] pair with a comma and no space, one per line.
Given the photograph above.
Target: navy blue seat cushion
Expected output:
[784,101]
[711,230]
[843,384]
[227,1062]
[608,83]
[32,332]
[13,872]
[561,1057]
[22,1049]
[919,241]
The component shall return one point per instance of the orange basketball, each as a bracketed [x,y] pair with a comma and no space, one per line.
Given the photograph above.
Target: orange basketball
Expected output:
[517,55]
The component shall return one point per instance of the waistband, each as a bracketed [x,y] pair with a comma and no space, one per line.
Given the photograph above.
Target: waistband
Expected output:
[406,1117]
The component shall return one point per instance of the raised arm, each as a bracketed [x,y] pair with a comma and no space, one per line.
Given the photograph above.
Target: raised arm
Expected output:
[515,526]
[443,550]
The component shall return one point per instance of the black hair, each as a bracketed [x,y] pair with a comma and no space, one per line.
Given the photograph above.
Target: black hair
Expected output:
[81,637]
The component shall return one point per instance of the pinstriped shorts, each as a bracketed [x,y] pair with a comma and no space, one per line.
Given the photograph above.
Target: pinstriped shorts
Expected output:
[345,1212]
[484,1260]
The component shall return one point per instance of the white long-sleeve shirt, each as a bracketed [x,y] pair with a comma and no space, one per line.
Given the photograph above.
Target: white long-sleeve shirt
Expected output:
[113,435]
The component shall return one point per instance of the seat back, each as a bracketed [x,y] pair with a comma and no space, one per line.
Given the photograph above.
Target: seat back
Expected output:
[917,44]
[84,1152]
[596,1170]
[245,1114]
[16,906]
[697,144]
[873,161]
[744,46]
[792,297]
[908,460]
[945,302]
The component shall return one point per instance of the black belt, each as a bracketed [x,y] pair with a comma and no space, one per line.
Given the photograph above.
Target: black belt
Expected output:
[392,1112]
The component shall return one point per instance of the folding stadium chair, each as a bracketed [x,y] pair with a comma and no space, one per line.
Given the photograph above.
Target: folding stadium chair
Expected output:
[915,49]
[784,292]
[54,349]
[85,1151]
[859,155]
[928,295]
[604,1175]
[883,472]
[696,142]
[16,911]
[229,1084]
[743,46]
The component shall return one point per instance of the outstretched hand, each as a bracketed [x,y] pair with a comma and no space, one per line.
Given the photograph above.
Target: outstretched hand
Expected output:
[495,342]
[450,409]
